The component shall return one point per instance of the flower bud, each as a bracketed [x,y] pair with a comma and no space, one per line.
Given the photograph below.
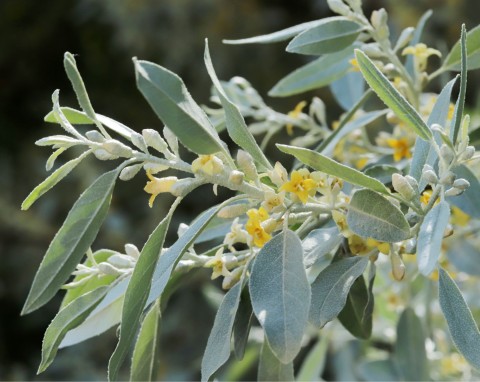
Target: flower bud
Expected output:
[171,139]
[154,168]
[448,231]
[446,153]
[448,179]
[139,141]
[403,187]
[429,175]
[405,37]
[246,164]
[95,136]
[233,211]
[398,267]
[379,21]
[132,251]
[338,6]
[108,269]
[278,175]
[121,261]
[468,153]
[461,184]
[230,280]
[184,186]
[117,148]
[453,192]
[236,177]
[373,50]
[130,171]
[153,139]
[103,154]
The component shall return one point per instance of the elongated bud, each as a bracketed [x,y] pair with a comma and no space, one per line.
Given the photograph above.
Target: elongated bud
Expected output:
[117,148]
[230,280]
[246,164]
[121,261]
[132,251]
[413,182]
[104,154]
[379,21]
[130,171]
[184,186]
[429,175]
[467,153]
[373,50]
[95,136]
[453,192]
[171,139]
[153,139]
[236,177]
[229,212]
[338,6]
[403,187]
[398,267]
[461,184]
[108,269]
[446,153]
[405,37]
[448,178]
[139,141]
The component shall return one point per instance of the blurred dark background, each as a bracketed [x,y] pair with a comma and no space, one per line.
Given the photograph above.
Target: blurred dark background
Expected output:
[105,35]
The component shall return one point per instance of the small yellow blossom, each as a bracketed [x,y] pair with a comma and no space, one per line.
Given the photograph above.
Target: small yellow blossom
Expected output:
[421,53]
[278,175]
[401,148]
[459,218]
[208,164]
[254,226]
[158,185]
[354,63]
[273,200]
[380,245]
[295,114]
[300,185]
[218,265]
[236,235]
[361,246]
[451,110]
[425,198]
[341,220]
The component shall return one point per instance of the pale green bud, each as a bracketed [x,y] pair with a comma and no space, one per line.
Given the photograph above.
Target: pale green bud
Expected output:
[236,177]
[230,280]
[130,171]
[117,148]
[121,261]
[103,154]
[446,153]
[184,186]
[379,21]
[461,184]
[468,153]
[373,50]
[403,187]
[246,164]
[338,6]
[95,136]
[453,191]
[398,267]
[132,251]
[405,37]
[108,269]
[448,178]
[234,210]
[139,141]
[153,139]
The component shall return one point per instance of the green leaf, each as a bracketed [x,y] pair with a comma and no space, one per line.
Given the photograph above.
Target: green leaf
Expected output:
[372,215]
[453,61]
[469,201]
[67,318]
[330,289]
[314,75]
[356,315]
[242,325]
[348,89]
[169,259]
[465,256]
[137,293]
[329,36]
[280,294]
[460,104]
[463,329]
[271,369]
[314,363]
[430,237]
[169,98]
[278,36]
[318,243]
[78,85]
[71,241]
[379,371]
[107,314]
[409,64]
[145,351]
[74,116]
[391,97]
[236,126]
[52,181]
[217,351]
[322,163]
[424,152]
[382,172]
[409,354]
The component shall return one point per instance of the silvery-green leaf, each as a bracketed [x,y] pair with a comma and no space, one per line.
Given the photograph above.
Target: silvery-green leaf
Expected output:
[330,35]
[465,256]
[391,97]
[430,237]
[74,116]
[52,181]
[469,201]
[278,36]
[329,166]
[146,346]
[61,140]
[372,215]
[137,293]
[331,287]
[463,329]
[316,74]
[314,363]
[71,241]
[460,104]
[67,318]
[348,89]
[318,243]
[169,98]
[409,64]
[280,294]
[271,369]
[409,353]
[454,58]
[115,126]
[423,152]
[217,351]
[379,371]
[242,325]
[236,126]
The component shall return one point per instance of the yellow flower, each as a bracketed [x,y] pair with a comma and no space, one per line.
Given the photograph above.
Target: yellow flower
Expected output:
[295,114]
[451,110]
[208,164]
[300,185]
[354,63]
[401,148]
[158,185]
[421,53]
[361,246]
[273,200]
[425,198]
[218,265]
[254,226]
[380,245]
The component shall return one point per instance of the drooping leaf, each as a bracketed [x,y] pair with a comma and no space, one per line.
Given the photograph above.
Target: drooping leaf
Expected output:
[278,36]
[409,354]
[137,293]
[460,104]
[71,241]
[74,116]
[52,181]
[146,346]
[453,61]
[314,363]
[316,74]
[331,288]
[280,294]
[329,166]
[236,126]
[242,325]
[469,201]
[391,97]
[169,98]
[329,36]
[463,329]
[318,243]
[270,368]
[430,237]
[348,89]
[217,351]
[372,215]
[66,319]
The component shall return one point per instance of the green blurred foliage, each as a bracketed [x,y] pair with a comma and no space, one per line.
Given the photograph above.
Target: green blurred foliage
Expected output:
[105,35]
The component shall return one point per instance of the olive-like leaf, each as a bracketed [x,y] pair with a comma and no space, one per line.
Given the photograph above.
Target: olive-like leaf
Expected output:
[453,61]
[270,368]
